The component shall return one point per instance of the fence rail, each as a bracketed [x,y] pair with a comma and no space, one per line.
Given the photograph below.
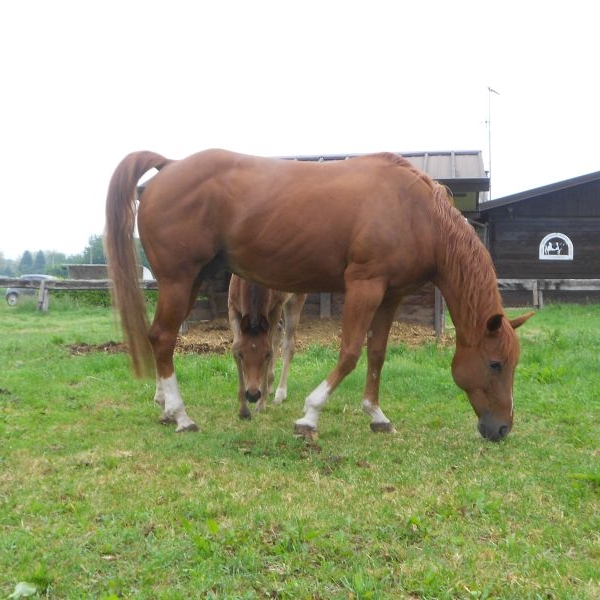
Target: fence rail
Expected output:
[68,284]
[538,286]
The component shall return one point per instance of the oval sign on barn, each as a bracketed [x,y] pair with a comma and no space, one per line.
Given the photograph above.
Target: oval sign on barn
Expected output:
[556,246]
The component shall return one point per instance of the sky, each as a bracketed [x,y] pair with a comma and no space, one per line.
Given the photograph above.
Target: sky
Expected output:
[82,84]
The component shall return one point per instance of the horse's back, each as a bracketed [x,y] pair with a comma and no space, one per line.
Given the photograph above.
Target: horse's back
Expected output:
[290,225]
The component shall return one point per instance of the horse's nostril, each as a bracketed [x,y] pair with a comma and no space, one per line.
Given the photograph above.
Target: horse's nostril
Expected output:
[503,431]
[253,396]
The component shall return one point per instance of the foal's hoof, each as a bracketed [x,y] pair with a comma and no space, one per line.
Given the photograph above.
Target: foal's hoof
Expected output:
[166,420]
[307,432]
[246,416]
[383,428]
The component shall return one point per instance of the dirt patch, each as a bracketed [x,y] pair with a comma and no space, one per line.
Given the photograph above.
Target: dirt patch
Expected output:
[107,347]
[215,337]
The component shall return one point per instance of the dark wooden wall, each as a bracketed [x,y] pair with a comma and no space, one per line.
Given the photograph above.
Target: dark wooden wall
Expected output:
[515,231]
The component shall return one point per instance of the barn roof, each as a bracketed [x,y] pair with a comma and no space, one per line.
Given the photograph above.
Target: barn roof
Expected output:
[447,167]
[461,171]
[540,191]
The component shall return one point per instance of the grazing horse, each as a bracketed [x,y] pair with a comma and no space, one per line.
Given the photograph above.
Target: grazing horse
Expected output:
[254,314]
[373,227]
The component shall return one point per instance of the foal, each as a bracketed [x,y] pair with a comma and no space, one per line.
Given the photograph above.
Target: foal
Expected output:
[255,314]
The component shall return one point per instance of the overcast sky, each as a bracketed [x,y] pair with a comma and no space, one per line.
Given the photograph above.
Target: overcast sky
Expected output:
[83,84]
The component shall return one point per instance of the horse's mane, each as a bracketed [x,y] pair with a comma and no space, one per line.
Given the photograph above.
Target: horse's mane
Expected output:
[464,260]
[400,161]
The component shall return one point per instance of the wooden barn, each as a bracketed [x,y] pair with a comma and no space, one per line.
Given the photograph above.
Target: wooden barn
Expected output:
[463,172]
[548,238]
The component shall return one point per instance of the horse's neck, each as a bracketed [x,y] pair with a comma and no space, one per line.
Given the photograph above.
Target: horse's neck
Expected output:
[467,280]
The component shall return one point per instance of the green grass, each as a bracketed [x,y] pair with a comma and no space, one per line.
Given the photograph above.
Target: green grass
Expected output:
[97,500]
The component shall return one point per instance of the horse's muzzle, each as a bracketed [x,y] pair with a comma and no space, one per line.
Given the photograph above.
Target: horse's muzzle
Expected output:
[493,430]
[253,397]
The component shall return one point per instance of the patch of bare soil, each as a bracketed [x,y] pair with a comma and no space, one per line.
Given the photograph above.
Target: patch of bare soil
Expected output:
[107,347]
[216,337]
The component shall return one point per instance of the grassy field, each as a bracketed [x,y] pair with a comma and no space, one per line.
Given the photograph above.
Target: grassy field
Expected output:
[97,500]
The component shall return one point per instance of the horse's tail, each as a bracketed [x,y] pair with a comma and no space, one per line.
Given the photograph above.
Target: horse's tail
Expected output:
[123,264]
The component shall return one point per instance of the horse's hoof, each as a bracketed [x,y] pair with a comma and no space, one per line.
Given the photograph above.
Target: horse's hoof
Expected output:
[166,420]
[307,432]
[383,428]
[245,416]
[188,427]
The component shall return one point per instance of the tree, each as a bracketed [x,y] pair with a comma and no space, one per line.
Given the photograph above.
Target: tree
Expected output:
[7,266]
[94,251]
[26,263]
[39,264]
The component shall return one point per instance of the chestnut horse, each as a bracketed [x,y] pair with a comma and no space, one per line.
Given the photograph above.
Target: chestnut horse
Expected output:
[255,314]
[373,227]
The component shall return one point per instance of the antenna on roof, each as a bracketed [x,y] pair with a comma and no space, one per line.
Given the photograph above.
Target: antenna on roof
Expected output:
[489,124]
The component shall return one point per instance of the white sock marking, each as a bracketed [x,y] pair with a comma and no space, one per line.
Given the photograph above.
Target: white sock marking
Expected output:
[313,405]
[374,412]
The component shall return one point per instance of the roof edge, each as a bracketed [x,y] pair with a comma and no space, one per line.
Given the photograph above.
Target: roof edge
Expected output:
[539,191]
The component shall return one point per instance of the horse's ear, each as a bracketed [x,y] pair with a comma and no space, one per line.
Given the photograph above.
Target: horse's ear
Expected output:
[517,322]
[494,323]
[245,324]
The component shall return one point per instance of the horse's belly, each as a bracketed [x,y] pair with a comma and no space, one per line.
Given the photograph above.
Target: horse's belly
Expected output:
[291,274]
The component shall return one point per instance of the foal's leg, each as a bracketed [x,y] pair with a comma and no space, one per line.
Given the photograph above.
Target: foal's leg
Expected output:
[292,309]
[377,338]
[234,321]
[172,308]
[362,300]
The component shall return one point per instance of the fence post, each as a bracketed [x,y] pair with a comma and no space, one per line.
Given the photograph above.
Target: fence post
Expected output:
[325,306]
[43,297]
[439,314]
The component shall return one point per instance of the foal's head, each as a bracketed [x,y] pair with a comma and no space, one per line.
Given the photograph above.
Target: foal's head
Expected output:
[254,353]
[485,371]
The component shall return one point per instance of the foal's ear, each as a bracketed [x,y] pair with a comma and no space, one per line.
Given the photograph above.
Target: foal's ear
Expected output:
[245,323]
[263,324]
[518,321]
[494,323]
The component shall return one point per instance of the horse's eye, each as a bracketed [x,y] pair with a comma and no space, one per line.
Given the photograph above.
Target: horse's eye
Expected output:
[496,366]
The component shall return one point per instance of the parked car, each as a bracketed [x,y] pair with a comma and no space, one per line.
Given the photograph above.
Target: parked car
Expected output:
[13,293]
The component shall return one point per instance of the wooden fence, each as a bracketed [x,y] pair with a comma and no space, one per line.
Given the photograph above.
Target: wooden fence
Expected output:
[427,301]
[426,307]
[537,287]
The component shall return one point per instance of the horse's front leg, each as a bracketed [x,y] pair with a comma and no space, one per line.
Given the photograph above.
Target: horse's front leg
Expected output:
[377,338]
[362,300]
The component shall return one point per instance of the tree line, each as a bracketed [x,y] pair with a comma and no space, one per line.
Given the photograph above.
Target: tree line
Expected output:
[54,263]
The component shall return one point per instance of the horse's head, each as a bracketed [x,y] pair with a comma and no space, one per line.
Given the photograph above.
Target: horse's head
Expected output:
[485,371]
[253,353]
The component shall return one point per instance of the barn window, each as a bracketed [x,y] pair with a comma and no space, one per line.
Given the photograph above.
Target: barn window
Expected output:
[556,246]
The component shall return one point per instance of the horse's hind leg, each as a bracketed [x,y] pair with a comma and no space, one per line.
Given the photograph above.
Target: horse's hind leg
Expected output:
[377,338]
[174,303]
